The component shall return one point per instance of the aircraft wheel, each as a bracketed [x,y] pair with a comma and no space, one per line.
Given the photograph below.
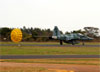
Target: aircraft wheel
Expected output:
[73,43]
[83,43]
[61,43]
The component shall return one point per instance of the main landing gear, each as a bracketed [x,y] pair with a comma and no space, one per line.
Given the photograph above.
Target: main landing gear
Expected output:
[61,42]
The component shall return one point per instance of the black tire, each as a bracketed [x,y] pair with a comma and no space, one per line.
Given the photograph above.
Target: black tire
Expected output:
[61,43]
[73,43]
[83,43]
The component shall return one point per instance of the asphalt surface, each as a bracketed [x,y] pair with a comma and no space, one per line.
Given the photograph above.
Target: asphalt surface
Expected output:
[48,45]
[46,56]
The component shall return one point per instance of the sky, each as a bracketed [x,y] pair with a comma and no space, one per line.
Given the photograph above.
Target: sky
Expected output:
[68,15]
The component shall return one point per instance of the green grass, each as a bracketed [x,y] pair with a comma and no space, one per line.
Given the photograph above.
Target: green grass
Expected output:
[56,61]
[87,43]
[29,50]
[29,43]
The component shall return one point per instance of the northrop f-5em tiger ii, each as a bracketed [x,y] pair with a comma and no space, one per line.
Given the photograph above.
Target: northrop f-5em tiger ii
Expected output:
[72,38]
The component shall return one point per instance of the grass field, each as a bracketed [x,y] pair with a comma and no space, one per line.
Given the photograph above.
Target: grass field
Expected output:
[88,61]
[50,43]
[29,50]
[35,50]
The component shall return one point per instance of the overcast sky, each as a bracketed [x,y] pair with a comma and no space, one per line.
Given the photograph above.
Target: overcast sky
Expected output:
[68,15]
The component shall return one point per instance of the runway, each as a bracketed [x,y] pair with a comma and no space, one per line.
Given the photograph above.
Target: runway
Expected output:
[49,45]
[46,56]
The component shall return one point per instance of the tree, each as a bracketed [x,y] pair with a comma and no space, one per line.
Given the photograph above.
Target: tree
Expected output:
[78,31]
[5,33]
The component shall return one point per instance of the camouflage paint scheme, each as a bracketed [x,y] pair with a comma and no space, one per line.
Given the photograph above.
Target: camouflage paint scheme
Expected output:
[72,38]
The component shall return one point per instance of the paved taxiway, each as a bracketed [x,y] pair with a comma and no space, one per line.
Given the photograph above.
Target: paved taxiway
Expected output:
[51,45]
[46,56]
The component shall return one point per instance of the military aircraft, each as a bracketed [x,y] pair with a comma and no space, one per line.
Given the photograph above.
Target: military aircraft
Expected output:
[72,38]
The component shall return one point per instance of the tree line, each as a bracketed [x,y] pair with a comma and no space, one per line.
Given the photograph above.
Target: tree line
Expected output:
[32,34]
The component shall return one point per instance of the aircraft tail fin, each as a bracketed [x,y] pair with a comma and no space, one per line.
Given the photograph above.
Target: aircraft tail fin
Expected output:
[56,31]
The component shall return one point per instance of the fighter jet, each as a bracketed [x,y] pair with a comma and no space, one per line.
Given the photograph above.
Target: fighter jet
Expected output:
[72,38]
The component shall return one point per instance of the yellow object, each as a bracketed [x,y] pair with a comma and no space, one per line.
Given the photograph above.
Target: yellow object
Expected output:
[16,35]
[60,70]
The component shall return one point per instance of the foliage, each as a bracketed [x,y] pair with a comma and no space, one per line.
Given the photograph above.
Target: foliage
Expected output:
[33,34]
[29,34]
[5,33]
